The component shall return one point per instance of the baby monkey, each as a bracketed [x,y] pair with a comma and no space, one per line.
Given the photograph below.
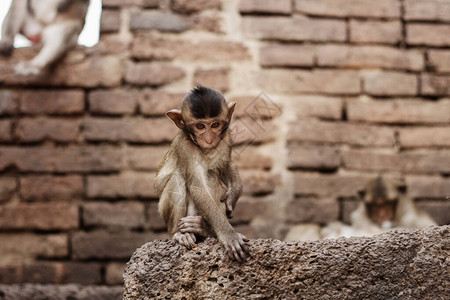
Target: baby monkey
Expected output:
[197,182]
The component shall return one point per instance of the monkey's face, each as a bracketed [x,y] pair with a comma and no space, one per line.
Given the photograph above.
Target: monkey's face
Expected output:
[381,213]
[207,133]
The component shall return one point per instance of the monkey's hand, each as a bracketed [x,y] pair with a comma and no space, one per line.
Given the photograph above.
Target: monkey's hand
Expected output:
[230,202]
[6,47]
[236,246]
[26,69]
[194,224]
[186,239]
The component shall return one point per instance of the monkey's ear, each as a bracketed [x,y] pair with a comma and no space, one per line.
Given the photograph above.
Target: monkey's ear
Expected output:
[175,116]
[231,107]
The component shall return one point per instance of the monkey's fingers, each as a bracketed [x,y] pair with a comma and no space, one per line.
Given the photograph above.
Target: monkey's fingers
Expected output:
[246,239]
[235,253]
[191,239]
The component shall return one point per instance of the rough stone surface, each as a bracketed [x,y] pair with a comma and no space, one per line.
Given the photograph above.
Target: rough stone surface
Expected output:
[342,268]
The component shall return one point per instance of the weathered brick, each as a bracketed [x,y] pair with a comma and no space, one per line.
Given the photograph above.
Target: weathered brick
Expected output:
[341,133]
[347,207]
[287,56]
[24,247]
[317,81]
[8,187]
[249,131]
[256,107]
[102,244]
[113,102]
[313,157]
[207,21]
[403,111]
[48,188]
[110,20]
[114,273]
[249,157]
[294,29]
[116,3]
[312,210]
[429,10]
[39,129]
[213,78]
[153,73]
[79,272]
[373,31]
[152,46]
[40,272]
[317,107]
[369,57]
[344,185]
[154,220]
[428,34]
[125,185]
[350,8]
[157,103]
[430,161]
[122,214]
[439,211]
[8,102]
[424,137]
[257,182]
[384,83]
[62,159]
[439,60]
[144,157]
[130,130]
[246,209]
[52,216]
[283,7]
[190,6]
[435,85]
[427,187]
[5,130]
[155,20]
[59,102]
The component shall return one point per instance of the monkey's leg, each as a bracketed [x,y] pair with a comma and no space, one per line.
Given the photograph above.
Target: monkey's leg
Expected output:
[57,39]
[12,25]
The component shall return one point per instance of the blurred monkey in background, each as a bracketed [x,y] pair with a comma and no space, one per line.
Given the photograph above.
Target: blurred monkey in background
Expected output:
[54,23]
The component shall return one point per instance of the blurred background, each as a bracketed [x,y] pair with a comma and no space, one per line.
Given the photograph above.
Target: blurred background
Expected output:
[330,95]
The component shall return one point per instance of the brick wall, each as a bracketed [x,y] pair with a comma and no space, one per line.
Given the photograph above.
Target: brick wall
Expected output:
[330,93]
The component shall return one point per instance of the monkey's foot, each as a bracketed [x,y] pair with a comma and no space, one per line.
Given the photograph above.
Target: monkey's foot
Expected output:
[186,239]
[25,69]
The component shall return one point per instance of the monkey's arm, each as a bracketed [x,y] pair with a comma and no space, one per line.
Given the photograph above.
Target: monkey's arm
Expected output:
[12,25]
[234,189]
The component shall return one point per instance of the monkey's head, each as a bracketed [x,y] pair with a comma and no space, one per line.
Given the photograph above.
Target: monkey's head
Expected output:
[381,197]
[204,116]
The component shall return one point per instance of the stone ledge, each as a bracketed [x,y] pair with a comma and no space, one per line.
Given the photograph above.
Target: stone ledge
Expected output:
[401,264]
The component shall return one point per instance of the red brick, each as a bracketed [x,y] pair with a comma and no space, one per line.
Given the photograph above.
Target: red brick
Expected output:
[5,130]
[207,21]
[249,157]
[48,188]
[113,102]
[404,111]
[152,46]
[313,157]
[154,220]
[435,85]
[110,20]
[119,215]
[125,185]
[426,187]
[282,7]
[190,6]
[341,133]
[430,161]
[248,131]
[217,79]
[153,73]
[345,185]
[317,81]
[156,20]
[107,245]
[428,10]
[257,182]
[116,3]
[312,210]
[350,8]
[294,29]
[25,247]
[369,57]
[114,273]
[424,137]
[8,186]
[317,107]
[246,209]
[145,158]
[39,129]
[55,102]
[52,216]
[157,103]
[373,31]
[109,44]
[287,56]
[62,159]
[439,60]
[428,34]
[131,130]
[8,102]
[384,83]
[438,210]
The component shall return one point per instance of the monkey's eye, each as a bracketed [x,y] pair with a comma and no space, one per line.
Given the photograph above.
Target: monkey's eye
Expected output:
[215,125]
[200,126]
